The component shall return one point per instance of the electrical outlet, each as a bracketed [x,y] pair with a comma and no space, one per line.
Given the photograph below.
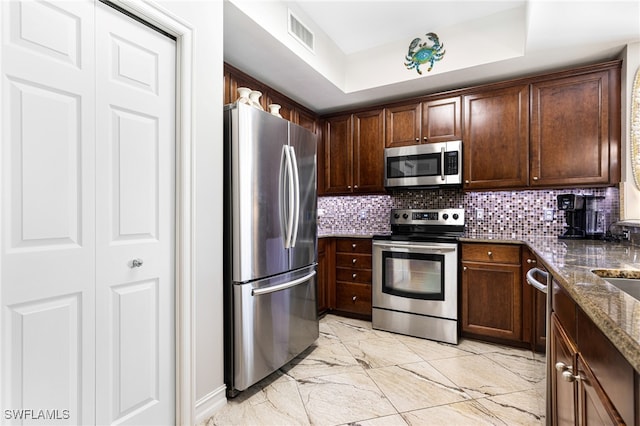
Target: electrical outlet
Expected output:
[548,215]
[479,213]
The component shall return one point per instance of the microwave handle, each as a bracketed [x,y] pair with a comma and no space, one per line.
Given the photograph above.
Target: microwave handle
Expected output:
[442,163]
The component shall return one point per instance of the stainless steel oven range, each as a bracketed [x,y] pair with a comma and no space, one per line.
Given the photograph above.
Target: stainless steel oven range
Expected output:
[415,274]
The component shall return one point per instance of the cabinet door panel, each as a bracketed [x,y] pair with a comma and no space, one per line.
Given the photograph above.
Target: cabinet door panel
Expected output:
[286,107]
[368,149]
[595,408]
[323,276]
[614,373]
[354,275]
[570,131]
[563,395]
[360,245]
[491,253]
[402,125]
[496,138]
[354,298]
[441,120]
[355,261]
[492,300]
[338,155]
[306,120]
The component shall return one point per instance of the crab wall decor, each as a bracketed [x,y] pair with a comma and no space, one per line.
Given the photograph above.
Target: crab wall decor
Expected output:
[420,54]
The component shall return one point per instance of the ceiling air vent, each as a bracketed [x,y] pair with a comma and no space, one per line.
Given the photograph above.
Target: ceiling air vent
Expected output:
[300,32]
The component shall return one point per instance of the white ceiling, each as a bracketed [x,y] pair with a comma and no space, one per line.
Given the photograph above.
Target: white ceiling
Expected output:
[360,45]
[361,25]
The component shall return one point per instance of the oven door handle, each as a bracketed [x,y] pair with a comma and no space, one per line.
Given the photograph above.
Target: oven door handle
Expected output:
[414,246]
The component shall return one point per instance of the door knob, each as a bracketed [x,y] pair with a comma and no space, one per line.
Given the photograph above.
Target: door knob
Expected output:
[136,263]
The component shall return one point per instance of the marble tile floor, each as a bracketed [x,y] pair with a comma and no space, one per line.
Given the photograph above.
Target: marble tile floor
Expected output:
[354,375]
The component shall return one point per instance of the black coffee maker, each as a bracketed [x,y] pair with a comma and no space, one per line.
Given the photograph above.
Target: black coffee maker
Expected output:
[574,213]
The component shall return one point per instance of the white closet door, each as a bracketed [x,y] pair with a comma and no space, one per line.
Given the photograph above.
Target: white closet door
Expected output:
[48,213]
[87,186]
[135,159]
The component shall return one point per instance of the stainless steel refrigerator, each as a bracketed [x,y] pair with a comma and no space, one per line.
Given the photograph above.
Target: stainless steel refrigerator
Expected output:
[270,244]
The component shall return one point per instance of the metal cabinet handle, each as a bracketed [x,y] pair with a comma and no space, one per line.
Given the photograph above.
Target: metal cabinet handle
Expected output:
[354,275]
[417,139]
[535,178]
[567,372]
[354,261]
[353,245]
[467,182]
[489,253]
[348,186]
[568,376]
[531,261]
[355,186]
[425,138]
[136,263]
[464,268]
[354,298]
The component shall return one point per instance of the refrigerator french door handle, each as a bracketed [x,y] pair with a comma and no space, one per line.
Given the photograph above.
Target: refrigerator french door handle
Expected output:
[290,204]
[296,197]
[279,287]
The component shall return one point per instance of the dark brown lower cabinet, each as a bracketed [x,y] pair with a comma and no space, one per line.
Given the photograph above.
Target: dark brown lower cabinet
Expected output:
[344,276]
[491,301]
[322,277]
[591,382]
[353,277]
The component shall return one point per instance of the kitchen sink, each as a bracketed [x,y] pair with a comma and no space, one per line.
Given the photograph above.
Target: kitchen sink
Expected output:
[627,281]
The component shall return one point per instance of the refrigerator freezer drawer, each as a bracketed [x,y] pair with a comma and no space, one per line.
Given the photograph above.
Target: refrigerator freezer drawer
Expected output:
[274,321]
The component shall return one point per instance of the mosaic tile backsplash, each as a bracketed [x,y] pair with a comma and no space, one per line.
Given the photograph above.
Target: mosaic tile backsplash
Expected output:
[511,213]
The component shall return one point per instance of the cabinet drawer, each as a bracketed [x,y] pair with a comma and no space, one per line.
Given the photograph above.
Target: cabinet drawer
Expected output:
[353,275]
[353,297]
[354,246]
[356,260]
[493,253]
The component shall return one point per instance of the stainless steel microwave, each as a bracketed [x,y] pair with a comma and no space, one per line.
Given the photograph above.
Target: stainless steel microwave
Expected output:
[423,166]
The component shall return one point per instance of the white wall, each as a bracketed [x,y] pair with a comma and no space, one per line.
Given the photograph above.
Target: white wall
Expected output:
[205,17]
[629,193]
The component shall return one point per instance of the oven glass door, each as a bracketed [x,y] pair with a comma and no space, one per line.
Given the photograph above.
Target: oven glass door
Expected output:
[419,165]
[413,275]
[416,277]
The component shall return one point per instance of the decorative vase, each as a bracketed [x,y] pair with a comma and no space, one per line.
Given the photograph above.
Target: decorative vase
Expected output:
[243,95]
[255,99]
[275,110]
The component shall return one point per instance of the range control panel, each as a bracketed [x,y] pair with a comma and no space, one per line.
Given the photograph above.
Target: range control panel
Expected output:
[427,217]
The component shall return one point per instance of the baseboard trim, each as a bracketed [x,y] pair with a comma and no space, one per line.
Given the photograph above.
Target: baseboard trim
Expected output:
[209,404]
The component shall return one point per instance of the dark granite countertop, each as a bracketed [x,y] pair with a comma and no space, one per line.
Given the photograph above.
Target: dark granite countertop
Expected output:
[570,262]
